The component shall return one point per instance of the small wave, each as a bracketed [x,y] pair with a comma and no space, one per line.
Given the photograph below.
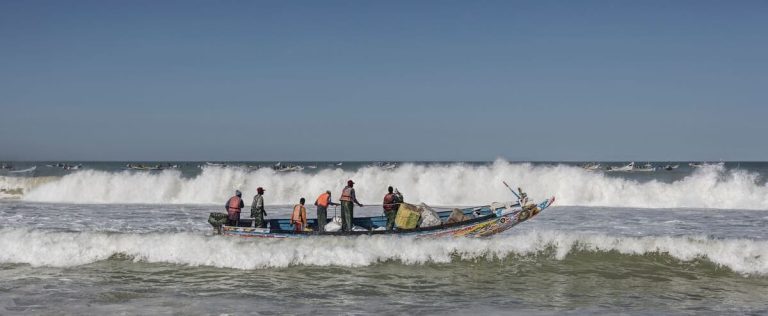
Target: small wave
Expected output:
[60,249]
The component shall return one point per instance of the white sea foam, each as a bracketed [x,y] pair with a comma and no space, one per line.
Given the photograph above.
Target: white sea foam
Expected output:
[16,187]
[456,184]
[60,249]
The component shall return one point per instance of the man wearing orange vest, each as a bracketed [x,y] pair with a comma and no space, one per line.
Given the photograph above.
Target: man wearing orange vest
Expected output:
[347,207]
[322,203]
[233,206]
[299,216]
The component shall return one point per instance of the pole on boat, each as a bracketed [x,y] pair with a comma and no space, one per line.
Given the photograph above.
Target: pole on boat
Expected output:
[522,198]
[510,189]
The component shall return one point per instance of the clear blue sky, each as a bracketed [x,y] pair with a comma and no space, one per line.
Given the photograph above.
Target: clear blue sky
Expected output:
[383,80]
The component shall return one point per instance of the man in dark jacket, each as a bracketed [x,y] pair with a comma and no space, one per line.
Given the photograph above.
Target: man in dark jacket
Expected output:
[257,208]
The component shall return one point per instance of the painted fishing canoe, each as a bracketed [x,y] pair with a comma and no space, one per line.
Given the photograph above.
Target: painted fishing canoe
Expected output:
[484,221]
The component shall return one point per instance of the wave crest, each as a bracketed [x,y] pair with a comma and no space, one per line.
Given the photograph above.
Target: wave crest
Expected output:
[455,184]
[60,249]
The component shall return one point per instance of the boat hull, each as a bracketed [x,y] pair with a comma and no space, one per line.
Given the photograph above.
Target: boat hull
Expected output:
[497,221]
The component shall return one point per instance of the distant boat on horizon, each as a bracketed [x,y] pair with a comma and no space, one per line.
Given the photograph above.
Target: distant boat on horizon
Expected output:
[30,169]
[632,167]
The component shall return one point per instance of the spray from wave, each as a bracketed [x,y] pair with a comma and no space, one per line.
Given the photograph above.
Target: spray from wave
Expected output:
[16,187]
[456,184]
[58,249]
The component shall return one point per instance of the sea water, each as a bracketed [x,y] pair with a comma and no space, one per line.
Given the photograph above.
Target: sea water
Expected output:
[106,240]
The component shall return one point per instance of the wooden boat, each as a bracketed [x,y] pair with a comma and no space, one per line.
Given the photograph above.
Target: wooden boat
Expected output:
[671,167]
[483,221]
[631,167]
[384,165]
[30,169]
[592,166]
[280,167]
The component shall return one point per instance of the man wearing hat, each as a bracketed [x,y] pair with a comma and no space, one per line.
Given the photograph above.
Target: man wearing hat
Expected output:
[257,208]
[233,206]
[347,199]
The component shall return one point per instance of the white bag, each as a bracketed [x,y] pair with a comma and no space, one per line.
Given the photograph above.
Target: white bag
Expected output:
[334,225]
[429,217]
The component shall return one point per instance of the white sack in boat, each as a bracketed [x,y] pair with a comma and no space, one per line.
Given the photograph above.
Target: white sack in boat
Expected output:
[429,217]
[334,225]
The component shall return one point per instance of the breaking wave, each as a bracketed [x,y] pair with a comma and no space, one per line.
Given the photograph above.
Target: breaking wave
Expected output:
[16,187]
[64,249]
[455,184]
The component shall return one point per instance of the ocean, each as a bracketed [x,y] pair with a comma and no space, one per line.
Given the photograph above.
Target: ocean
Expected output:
[101,238]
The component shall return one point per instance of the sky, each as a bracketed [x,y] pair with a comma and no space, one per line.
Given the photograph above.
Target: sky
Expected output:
[383,80]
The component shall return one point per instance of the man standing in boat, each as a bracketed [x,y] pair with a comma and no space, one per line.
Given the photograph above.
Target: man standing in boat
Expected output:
[299,216]
[322,203]
[257,208]
[348,201]
[391,202]
[233,206]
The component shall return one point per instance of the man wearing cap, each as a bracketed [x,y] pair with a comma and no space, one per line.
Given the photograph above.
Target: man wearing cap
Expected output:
[233,206]
[348,201]
[257,208]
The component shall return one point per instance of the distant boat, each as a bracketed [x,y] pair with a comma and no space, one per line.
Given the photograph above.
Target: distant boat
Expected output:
[72,167]
[703,164]
[215,164]
[384,165]
[339,164]
[138,167]
[149,168]
[592,166]
[626,168]
[24,170]
[312,167]
[64,166]
[389,166]
[671,167]
[280,167]
[631,167]
[645,168]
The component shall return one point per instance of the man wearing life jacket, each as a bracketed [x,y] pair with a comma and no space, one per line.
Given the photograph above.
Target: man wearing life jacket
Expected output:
[299,216]
[233,206]
[391,204]
[348,201]
[322,203]
[257,208]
